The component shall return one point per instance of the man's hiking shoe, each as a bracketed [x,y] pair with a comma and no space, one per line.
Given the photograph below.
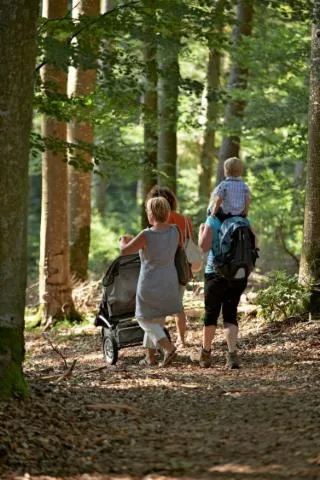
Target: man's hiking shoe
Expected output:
[232,361]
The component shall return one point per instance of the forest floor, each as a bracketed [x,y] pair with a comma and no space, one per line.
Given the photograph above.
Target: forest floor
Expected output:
[127,422]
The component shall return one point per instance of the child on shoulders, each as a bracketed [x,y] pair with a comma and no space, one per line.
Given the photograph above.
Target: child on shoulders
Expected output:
[232,196]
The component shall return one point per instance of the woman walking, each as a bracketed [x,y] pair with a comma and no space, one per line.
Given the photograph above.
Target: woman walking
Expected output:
[158,287]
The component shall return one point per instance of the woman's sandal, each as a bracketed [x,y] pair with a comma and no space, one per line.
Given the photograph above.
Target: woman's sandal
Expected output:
[168,358]
[145,362]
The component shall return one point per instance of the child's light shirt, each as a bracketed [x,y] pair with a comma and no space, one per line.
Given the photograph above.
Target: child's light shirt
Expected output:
[233,192]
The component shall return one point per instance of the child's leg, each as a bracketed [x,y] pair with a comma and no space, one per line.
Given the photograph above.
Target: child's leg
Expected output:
[221,215]
[181,324]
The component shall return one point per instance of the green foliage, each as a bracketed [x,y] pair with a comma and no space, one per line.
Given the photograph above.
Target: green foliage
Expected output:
[284,298]
[105,233]
[103,246]
[273,130]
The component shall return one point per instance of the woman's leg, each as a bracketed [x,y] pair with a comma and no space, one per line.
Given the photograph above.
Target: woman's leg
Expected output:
[181,324]
[154,336]
[213,288]
[231,334]
[229,311]
[181,321]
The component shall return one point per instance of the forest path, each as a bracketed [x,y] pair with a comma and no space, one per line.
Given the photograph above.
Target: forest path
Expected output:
[128,422]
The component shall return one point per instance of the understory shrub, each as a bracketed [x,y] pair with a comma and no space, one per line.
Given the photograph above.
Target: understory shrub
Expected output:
[285,297]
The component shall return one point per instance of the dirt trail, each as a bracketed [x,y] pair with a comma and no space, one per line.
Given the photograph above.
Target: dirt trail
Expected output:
[261,422]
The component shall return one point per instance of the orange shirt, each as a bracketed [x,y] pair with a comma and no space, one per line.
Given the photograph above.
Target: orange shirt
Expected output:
[182,223]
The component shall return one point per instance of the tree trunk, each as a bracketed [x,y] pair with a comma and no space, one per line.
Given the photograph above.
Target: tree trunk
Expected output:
[81,83]
[238,80]
[213,85]
[169,76]
[18,51]
[100,186]
[54,282]
[100,181]
[310,257]
[150,114]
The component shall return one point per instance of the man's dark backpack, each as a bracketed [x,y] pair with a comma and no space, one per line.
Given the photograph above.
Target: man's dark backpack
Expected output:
[238,252]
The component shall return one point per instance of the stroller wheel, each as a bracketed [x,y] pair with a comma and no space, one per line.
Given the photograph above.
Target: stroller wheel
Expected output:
[109,347]
[167,333]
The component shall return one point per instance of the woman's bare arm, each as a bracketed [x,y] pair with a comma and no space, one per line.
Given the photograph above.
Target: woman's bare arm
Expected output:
[132,245]
[205,237]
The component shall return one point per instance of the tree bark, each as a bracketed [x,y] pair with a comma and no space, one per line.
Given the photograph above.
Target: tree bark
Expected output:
[54,282]
[213,85]
[150,114]
[238,80]
[100,181]
[81,83]
[310,256]
[169,76]
[18,47]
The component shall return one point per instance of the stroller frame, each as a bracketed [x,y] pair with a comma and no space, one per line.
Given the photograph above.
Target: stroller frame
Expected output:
[119,329]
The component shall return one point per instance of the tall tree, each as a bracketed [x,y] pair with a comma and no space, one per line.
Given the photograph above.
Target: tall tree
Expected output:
[100,181]
[310,257]
[18,43]
[150,99]
[54,283]
[81,83]
[212,113]
[237,81]
[169,77]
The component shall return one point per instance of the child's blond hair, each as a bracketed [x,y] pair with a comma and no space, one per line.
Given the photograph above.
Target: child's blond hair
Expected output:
[159,208]
[233,167]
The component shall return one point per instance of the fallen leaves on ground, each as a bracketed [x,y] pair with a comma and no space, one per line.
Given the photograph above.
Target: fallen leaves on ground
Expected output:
[182,422]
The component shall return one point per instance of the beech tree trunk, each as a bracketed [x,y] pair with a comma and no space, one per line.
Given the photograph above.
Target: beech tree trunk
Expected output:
[169,76]
[18,51]
[100,181]
[81,83]
[238,80]
[310,257]
[150,114]
[54,282]
[213,85]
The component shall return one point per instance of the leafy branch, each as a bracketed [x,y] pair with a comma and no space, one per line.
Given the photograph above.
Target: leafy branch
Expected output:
[87,26]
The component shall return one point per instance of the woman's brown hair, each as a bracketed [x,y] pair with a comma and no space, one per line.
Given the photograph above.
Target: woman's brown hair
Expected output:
[165,192]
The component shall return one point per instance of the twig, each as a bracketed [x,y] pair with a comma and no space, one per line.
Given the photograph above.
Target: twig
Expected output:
[56,350]
[68,373]
[95,369]
[59,377]
[281,238]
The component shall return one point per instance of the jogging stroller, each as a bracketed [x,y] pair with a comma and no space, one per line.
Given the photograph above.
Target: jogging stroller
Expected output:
[116,311]
[119,329]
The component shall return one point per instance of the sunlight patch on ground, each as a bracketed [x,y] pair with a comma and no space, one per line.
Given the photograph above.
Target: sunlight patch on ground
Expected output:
[241,468]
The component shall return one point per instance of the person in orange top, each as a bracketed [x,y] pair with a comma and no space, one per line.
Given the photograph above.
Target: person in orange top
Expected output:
[184,225]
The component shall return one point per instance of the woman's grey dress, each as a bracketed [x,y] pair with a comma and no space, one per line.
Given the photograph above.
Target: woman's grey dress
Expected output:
[158,286]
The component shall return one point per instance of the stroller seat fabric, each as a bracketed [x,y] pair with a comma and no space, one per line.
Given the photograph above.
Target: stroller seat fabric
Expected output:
[120,284]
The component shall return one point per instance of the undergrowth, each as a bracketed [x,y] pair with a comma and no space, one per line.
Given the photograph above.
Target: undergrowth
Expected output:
[285,297]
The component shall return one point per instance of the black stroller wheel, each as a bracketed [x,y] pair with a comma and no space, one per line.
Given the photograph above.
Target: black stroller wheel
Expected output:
[110,348]
[166,331]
